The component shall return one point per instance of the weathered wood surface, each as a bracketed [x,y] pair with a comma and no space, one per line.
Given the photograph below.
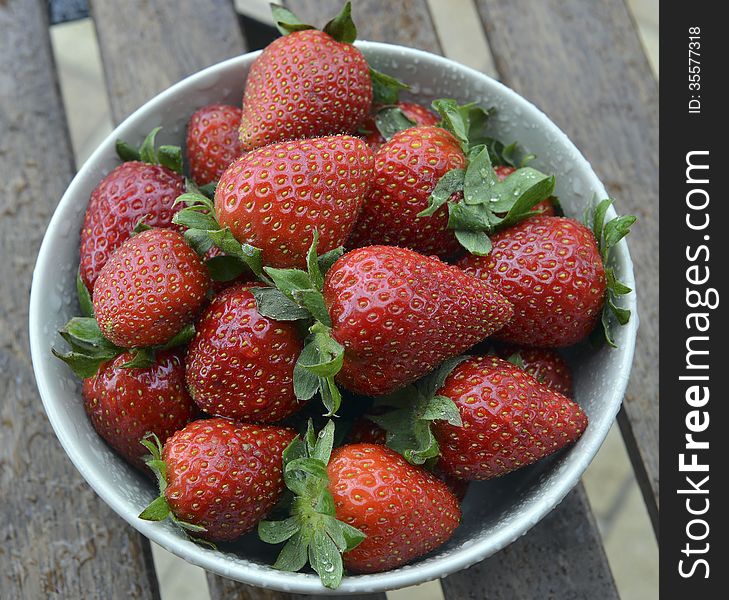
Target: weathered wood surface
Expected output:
[562,558]
[225,589]
[583,64]
[148,46]
[58,539]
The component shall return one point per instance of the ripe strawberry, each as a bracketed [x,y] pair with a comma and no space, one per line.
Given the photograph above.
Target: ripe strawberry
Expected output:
[240,364]
[404,511]
[149,289]
[304,84]
[544,207]
[416,113]
[399,314]
[510,420]
[407,169]
[131,192]
[212,141]
[124,404]
[545,365]
[275,197]
[367,432]
[550,268]
[221,477]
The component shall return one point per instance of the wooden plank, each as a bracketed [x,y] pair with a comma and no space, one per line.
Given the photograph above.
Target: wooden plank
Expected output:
[147,46]
[231,590]
[583,64]
[567,551]
[59,539]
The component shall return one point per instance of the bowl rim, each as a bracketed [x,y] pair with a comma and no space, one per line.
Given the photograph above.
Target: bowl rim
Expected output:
[533,509]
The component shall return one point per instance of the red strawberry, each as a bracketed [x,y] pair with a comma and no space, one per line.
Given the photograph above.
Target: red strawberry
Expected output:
[149,289]
[551,270]
[212,141]
[545,365]
[240,364]
[544,207]
[399,314]
[124,404]
[304,84]
[367,432]
[131,192]
[416,113]
[407,169]
[222,476]
[404,511]
[510,420]
[275,197]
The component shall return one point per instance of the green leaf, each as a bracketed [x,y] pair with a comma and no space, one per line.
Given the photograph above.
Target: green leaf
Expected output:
[170,157]
[276,532]
[140,227]
[442,408]
[199,240]
[616,229]
[390,120]
[598,220]
[146,151]
[208,190]
[289,281]
[453,119]
[469,217]
[322,355]
[385,89]
[196,201]
[476,242]
[294,555]
[306,384]
[313,301]
[194,219]
[324,443]
[225,268]
[331,398]
[126,152]
[84,297]
[316,279]
[286,21]
[326,559]
[82,365]
[182,337]
[272,303]
[250,255]
[516,359]
[431,383]
[541,189]
[447,185]
[142,358]
[479,178]
[341,27]
[157,510]
[327,259]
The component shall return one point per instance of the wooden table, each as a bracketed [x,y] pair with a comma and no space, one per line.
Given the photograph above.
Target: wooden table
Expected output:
[581,62]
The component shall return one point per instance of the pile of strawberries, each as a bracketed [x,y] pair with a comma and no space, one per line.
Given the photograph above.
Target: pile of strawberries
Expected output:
[333,248]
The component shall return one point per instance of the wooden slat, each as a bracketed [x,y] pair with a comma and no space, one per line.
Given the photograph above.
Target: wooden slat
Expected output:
[147,46]
[59,540]
[583,64]
[562,558]
[225,589]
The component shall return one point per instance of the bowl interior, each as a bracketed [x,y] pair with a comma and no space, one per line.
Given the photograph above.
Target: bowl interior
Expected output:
[495,512]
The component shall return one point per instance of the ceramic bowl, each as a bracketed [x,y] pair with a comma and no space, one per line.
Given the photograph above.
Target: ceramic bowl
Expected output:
[495,513]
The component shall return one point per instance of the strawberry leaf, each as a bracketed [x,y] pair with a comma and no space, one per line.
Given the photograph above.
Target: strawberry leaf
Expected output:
[452,182]
[84,297]
[475,242]
[385,88]
[341,27]
[273,303]
[170,157]
[286,21]
[312,532]
[225,268]
[127,152]
[391,119]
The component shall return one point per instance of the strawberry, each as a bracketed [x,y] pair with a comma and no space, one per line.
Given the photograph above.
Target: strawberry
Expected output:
[307,83]
[404,511]
[218,478]
[408,114]
[509,419]
[132,192]
[545,207]
[240,364]
[275,197]
[124,404]
[212,141]
[399,314]
[407,169]
[551,270]
[545,365]
[362,506]
[149,289]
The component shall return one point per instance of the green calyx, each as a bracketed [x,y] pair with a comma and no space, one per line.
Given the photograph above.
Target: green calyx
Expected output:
[203,232]
[296,295]
[90,349]
[488,204]
[312,532]
[159,509]
[411,412]
[608,234]
[391,119]
[385,88]
[165,155]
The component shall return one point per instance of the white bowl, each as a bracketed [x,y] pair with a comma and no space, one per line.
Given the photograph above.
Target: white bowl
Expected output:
[495,513]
